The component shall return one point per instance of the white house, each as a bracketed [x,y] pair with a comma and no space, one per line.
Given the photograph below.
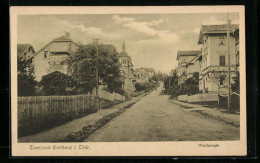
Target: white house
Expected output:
[214,59]
[49,58]
[186,64]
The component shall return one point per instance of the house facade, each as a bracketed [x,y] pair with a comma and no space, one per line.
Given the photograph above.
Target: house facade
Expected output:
[50,58]
[187,64]
[25,51]
[144,74]
[127,71]
[236,34]
[141,75]
[193,67]
[151,72]
[214,58]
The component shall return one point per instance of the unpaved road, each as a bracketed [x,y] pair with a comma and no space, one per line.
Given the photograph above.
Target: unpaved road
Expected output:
[154,118]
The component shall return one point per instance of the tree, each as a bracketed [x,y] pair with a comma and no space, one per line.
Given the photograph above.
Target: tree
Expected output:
[171,83]
[236,85]
[83,64]
[26,80]
[57,83]
[191,85]
[218,77]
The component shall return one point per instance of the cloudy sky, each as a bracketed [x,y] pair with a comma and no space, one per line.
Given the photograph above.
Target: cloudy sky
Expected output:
[152,40]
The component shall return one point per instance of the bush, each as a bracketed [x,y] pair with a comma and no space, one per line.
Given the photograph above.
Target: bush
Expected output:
[145,86]
[57,83]
[26,85]
[26,81]
[189,87]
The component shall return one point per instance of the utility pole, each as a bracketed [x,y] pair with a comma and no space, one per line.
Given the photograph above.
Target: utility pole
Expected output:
[97,77]
[228,53]
[169,85]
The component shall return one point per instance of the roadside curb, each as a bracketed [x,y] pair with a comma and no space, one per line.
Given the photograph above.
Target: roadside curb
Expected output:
[230,119]
[88,130]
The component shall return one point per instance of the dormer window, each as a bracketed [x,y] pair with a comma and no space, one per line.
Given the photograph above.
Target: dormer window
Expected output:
[221,40]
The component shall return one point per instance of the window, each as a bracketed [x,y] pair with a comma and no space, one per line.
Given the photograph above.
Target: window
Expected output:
[221,40]
[237,58]
[45,55]
[221,80]
[222,61]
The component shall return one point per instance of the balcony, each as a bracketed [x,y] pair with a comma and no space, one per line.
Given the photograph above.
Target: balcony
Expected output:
[218,69]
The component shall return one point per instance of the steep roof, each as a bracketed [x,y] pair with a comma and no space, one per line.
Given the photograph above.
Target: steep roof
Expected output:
[188,53]
[214,29]
[123,53]
[59,44]
[21,48]
[63,38]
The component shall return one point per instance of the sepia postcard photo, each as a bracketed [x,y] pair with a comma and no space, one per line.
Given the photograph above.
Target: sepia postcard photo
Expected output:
[128,81]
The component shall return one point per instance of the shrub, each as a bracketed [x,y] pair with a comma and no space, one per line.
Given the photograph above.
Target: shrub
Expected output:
[145,86]
[26,82]
[57,83]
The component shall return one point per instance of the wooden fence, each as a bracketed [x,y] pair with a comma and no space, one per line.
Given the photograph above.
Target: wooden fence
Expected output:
[37,113]
[41,112]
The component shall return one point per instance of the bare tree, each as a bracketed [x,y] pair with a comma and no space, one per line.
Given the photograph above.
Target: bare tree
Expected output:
[216,76]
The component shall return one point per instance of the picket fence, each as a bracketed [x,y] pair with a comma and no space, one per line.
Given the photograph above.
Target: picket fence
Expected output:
[36,113]
[45,111]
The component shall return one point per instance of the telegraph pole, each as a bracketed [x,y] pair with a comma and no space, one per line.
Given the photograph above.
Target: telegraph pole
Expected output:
[228,53]
[169,85]
[97,77]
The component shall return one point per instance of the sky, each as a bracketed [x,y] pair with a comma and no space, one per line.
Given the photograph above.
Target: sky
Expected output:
[152,40]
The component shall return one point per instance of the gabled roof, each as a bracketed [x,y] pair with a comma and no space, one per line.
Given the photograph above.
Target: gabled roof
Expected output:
[63,38]
[59,44]
[218,28]
[21,48]
[215,29]
[188,53]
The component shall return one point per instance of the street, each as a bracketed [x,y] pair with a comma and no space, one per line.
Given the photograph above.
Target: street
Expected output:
[154,118]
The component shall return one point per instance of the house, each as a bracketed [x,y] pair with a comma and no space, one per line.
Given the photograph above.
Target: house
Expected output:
[187,64]
[127,72]
[141,75]
[25,51]
[193,67]
[214,59]
[236,34]
[144,74]
[50,58]
[151,72]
